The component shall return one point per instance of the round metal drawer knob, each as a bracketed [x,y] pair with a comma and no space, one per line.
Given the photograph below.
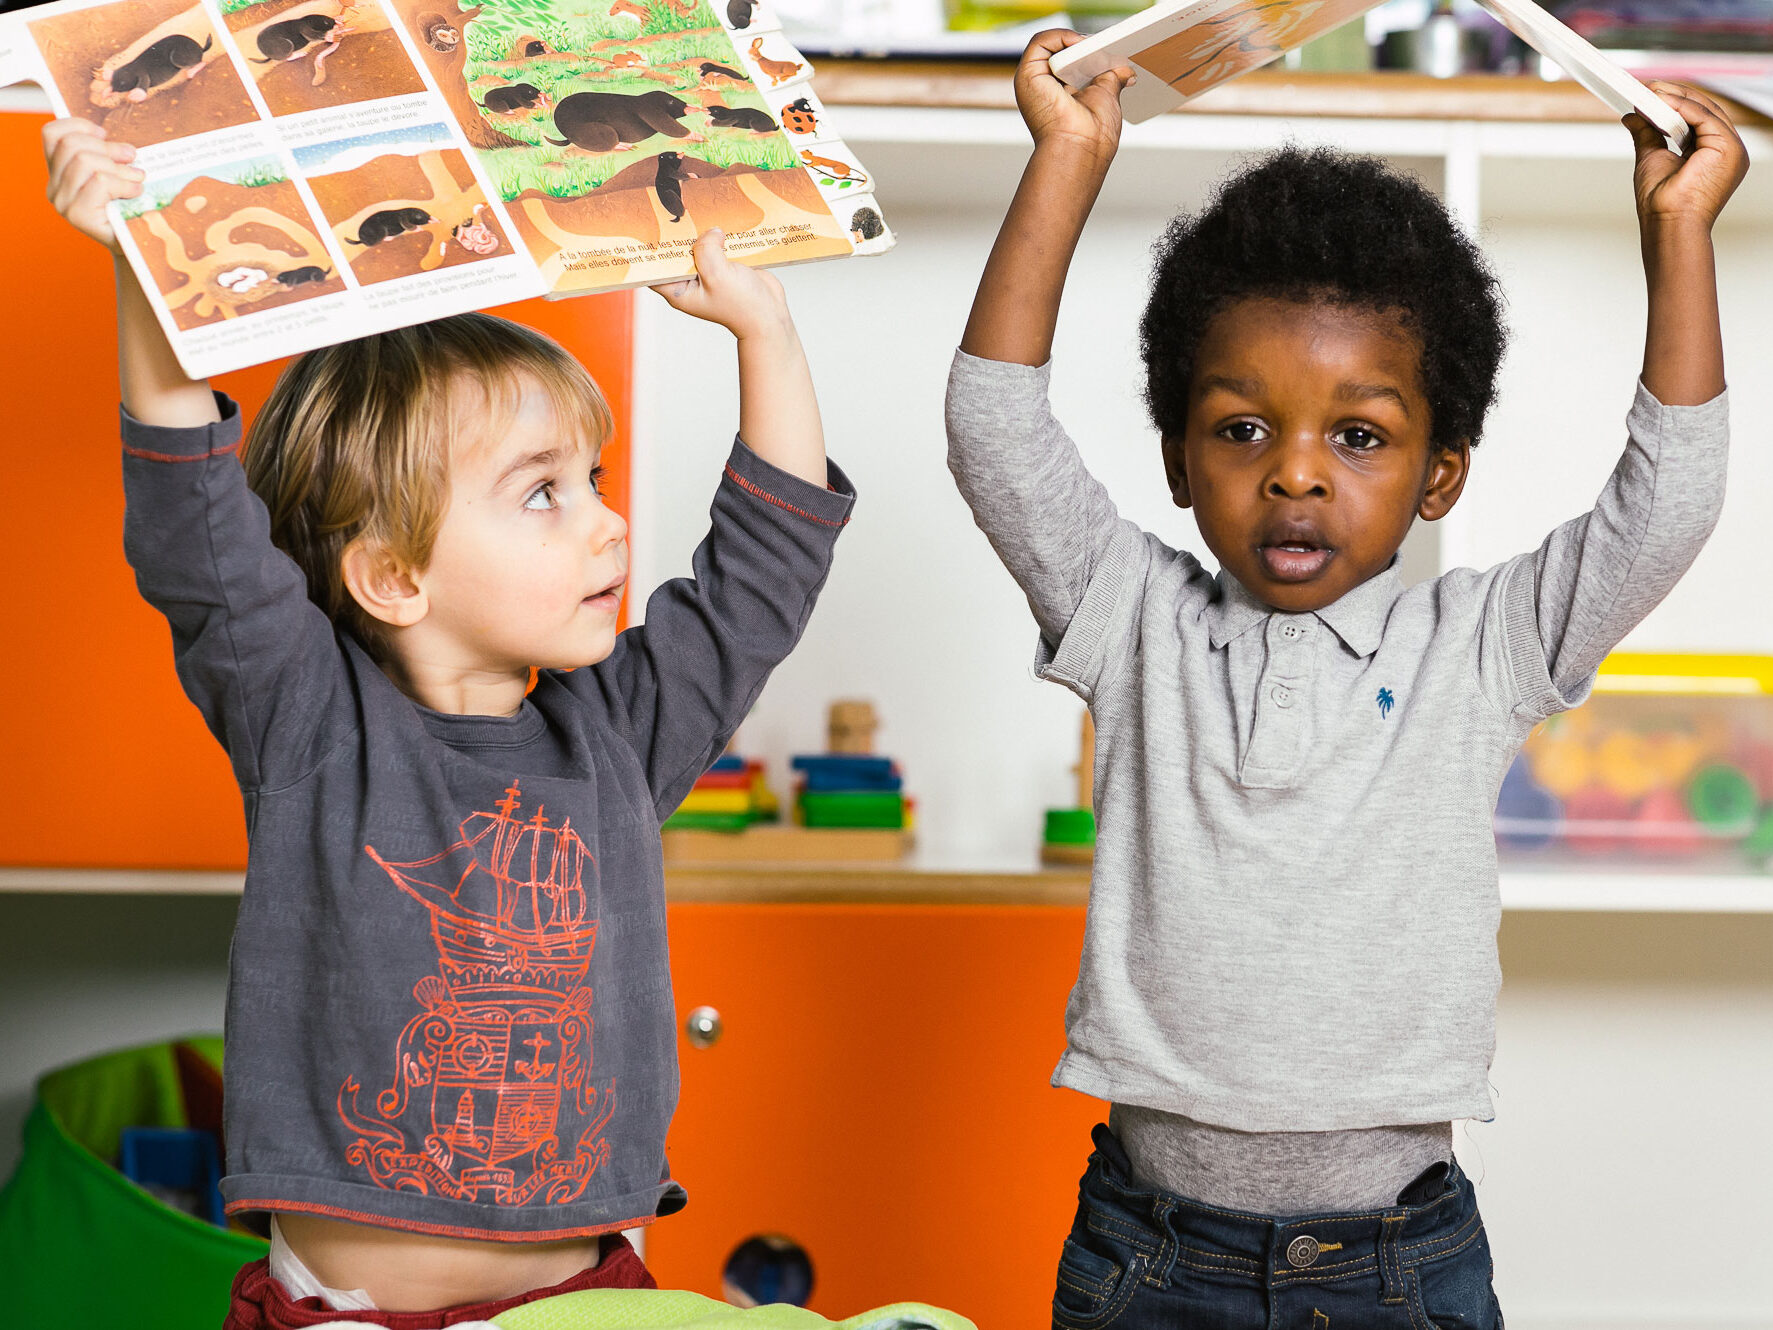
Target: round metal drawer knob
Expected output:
[702,1027]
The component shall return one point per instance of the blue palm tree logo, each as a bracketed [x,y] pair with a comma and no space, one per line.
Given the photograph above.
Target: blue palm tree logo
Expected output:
[1386,702]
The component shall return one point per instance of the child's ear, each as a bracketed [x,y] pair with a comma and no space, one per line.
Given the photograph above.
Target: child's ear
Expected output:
[1447,470]
[383,585]
[1176,471]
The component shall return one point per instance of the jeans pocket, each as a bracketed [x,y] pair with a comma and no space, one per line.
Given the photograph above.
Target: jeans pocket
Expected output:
[1094,1287]
[1454,1292]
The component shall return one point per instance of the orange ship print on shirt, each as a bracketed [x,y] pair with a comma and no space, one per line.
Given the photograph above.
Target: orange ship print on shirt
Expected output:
[492,1099]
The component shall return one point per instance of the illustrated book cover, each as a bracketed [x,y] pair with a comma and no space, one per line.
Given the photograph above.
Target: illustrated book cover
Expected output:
[1180,48]
[323,169]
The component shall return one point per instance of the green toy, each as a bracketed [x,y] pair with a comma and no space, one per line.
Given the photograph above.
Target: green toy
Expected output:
[663,1309]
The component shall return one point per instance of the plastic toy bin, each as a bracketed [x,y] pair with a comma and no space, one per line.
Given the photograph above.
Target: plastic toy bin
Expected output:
[82,1245]
[1669,764]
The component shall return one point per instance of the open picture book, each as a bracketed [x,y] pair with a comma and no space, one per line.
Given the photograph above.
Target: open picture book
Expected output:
[1180,48]
[323,169]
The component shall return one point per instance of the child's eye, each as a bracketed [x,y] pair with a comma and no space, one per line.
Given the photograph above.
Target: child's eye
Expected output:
[1245,431]
[1358,437]
[597,475]
[541,499]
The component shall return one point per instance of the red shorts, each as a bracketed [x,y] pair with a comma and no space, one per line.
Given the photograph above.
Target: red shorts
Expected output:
[260,1303]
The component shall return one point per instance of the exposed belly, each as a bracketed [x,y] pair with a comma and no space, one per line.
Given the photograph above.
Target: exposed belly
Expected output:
[409,1272]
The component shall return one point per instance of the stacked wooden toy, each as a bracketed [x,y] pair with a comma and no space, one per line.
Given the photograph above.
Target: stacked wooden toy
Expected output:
[730,796]
[849,790]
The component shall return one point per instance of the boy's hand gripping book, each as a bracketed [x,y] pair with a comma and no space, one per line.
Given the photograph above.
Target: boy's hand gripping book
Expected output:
[322,169]
[1180,48]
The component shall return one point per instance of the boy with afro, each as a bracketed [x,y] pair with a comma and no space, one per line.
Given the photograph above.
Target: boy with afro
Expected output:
[1289,973]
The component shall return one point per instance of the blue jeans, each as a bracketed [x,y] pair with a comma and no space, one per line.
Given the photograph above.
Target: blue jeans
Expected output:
[1139,1259]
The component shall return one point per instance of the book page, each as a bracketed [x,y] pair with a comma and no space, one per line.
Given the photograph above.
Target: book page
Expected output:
[617,131]
[1180,50]
[319,170]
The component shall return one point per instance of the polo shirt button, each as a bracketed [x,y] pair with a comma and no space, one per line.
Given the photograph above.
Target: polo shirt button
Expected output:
[1301,1252]
[1281,695]
[1292,631]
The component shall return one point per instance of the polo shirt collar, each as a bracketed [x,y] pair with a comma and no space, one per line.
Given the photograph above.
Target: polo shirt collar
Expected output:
[1358,618]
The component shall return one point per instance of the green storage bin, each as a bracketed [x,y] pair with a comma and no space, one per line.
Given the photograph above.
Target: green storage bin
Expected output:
[85,1246]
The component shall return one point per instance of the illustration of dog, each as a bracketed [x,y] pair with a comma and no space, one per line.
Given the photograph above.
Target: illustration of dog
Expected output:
[388,223]
[779,71]
[165,60]
[741,117]
[798,117]
[517,97]
[615,121]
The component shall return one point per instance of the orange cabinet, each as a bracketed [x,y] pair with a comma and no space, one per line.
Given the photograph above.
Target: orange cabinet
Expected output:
[879,1093]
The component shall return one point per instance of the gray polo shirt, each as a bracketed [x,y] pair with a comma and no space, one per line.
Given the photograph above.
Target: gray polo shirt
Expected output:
[1293,911]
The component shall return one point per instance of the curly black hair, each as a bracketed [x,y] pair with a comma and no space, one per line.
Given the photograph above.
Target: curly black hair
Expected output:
[1323,225]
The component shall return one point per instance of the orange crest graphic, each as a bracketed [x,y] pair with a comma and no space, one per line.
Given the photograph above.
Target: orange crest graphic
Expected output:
[491,1098]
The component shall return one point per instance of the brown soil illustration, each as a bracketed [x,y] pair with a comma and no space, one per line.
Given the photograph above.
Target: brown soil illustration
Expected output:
[586,243]
[216,250]
[83,48]
[366,62]
[447,60]
[438,183]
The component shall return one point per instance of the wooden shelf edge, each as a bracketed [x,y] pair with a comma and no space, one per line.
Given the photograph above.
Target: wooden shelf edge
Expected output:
[1382,94]
[906,884]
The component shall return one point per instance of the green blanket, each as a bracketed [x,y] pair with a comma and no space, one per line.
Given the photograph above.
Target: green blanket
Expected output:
[661,1309]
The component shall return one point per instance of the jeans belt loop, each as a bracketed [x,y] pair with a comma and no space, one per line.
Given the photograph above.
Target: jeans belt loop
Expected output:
[1391,1269]
[1157,1273]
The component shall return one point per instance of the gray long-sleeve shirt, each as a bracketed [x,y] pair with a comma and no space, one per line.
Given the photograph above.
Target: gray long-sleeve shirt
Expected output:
[1293,910]
[449,996]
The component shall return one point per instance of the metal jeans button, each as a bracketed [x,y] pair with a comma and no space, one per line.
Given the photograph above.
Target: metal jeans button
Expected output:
[1301,1252]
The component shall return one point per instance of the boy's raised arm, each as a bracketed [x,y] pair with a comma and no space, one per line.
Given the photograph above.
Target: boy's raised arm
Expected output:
[86,172]
[1678,200]
[1596,577]
[1076,135]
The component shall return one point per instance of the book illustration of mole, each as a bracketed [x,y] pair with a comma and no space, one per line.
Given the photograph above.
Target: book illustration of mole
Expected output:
[741,117]
[517,97]
[710,72]
[302,276]
[616,121]
[738,13]
[226,243]
[668,184]
[289,39]
[388,223]
[160,63]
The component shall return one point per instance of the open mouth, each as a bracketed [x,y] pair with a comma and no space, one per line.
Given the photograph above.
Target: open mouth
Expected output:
[609,596]
[1294,557]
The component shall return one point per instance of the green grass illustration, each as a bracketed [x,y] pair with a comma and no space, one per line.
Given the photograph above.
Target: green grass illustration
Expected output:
[247,175]
[583,35]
